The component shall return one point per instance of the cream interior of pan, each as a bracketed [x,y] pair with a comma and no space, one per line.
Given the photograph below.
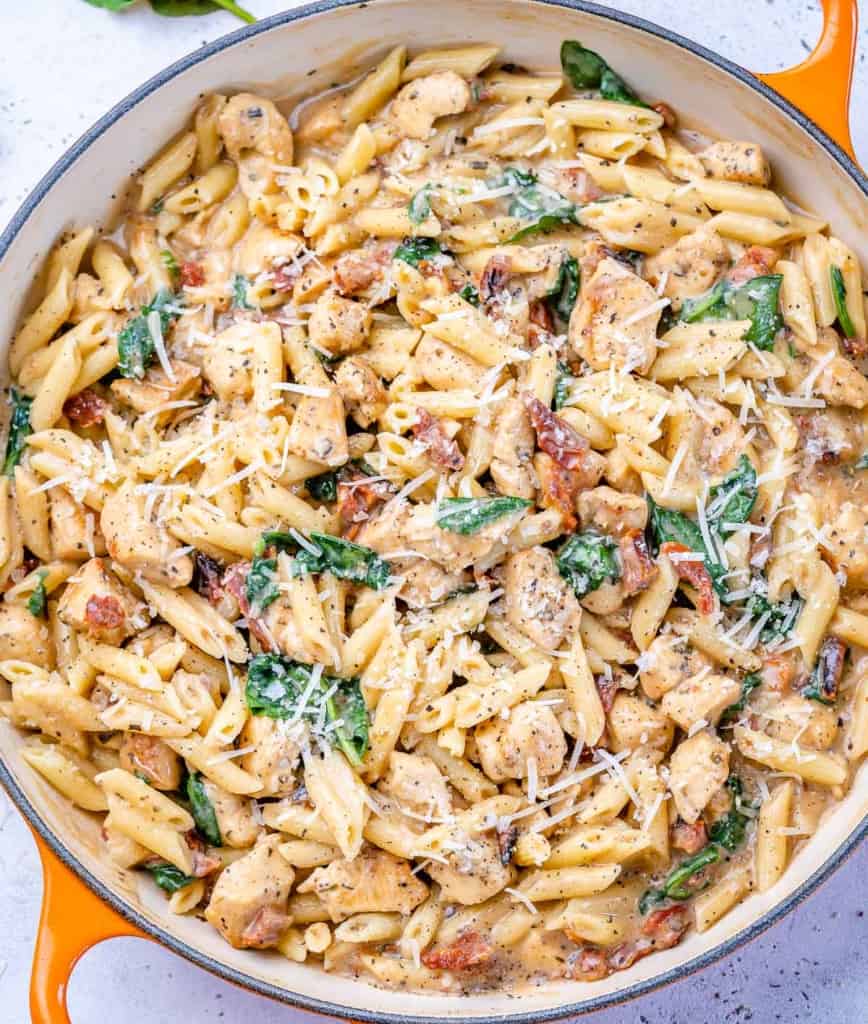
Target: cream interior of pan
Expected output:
[341,42]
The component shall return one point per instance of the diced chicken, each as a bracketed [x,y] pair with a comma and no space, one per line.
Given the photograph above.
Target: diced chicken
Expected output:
[847,546]
[808,722]
[699,766]
[736,161]
[506,745]
[138,544]
[156,388]
[611,511]
[70,534]
[632,723]
[714,440]
[603,330]
[235,816]
[361,390]
[98,604]
[418,105]
[274,757]
[664,665]
[690,267]
[251,122]
[318,429]
[702,697]
[831,436]
[474,871]
[248,904]
[25,637]
[512,451]
[538,600]
[841,383]
[152,759]
[416,783]
[338,325]
[426,584]
[229,366]
[373,882]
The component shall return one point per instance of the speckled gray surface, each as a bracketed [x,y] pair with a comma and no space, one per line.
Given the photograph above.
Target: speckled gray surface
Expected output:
[64,64]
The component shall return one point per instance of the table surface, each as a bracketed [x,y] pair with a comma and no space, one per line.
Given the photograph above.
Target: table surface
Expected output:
[65,64]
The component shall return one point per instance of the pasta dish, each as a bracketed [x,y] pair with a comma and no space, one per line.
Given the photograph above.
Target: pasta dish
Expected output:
[434,524]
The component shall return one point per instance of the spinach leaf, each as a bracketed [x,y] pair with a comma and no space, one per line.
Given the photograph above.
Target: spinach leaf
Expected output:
[260,587]
[756,300]
[561,299]
[203,810]
[182,8]
[839,291]
[748,685]
[168,877]
[587,561]
[544,207]
[470,294]
[740,490]
[861,462]
[587,70]
[518,177]
[240,284]
[334,707]
[470,515]
[416,250]
[19,431]
[171,264]
[729,831]
[323,487]
[419,207]
[111,5]
[563,384]
[36,601]
[345,560]
[675,886]
[781,616]
[136,348]
[669,525]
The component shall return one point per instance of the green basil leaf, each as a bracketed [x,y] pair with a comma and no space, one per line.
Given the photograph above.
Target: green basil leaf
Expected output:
[203,810]
[19,430]
[587,70]
[839,291]
[184,8]
[111,5]
[587,561]
[169,878]
[470,515]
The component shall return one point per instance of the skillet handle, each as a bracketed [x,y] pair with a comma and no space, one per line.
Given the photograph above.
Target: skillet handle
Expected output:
[72,920]
[820,85]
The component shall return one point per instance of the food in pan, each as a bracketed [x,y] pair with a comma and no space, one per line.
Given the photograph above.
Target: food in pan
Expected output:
[434,523]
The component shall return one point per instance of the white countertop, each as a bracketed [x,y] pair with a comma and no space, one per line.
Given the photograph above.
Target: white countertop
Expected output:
[65,63]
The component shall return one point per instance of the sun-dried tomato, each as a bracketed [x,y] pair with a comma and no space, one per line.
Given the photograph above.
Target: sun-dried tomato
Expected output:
[667,113]
[637,565]
[357,499]
[469,950]
[85,409]
[104,612]
[757,261]
[192,274]
[689,838]
[441,448]
[693,573]
[559,489]
[588,964]
[494,277]
[607,689]
[555,436]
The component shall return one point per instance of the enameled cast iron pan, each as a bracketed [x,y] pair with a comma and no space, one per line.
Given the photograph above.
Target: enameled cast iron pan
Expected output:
[800,119]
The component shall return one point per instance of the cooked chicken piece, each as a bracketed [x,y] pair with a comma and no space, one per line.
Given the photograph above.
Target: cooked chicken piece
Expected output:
[261,249]
[736,161]
[70,535]
[318,429]
[25,637]
[138,544]
[633,723]
[831,436]
[601,330]
[361,389]
[425,583]
[690,267]
[375,881]
[699,766]
[152,759]
[538,600]
[156,389]
[714,440]
[475,870]
[97,603]
[274,759]
[841,383]
[251,122]
[123,851]
[848,542]
[612,511]
[338,325]
[248,904]
[702,697]
[808,722]
[229,366]
[512,451]
[235,816]
[666,664]
[505,745]
[418,105]
[416,783]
